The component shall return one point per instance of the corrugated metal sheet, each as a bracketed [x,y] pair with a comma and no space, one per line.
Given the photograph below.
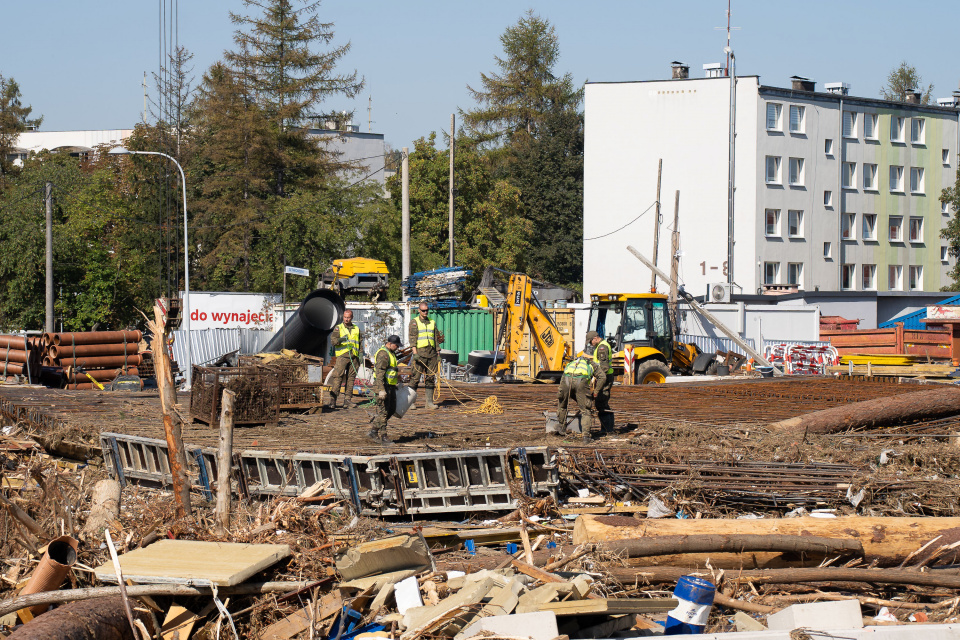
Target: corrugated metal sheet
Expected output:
[210,344]
[912,320]
[376,322]
[465,330]
[710,344]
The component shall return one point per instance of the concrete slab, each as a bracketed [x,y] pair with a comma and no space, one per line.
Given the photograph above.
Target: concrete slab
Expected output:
[893,632]
[536,626]
[840,614]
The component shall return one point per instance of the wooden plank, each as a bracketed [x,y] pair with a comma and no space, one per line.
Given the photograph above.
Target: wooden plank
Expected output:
[194,562]
[607,607]
[178,624]
[610,508]
[296,622]
[536,572]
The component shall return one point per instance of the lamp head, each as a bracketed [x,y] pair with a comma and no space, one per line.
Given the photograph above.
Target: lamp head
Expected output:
[119,151]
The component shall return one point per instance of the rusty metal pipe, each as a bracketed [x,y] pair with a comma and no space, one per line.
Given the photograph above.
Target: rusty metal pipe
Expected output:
[96,337]
[113,349]
[15,342]
[60,556]
[91,362]
[13,369]
[72,375]
[15,355]
[80,386]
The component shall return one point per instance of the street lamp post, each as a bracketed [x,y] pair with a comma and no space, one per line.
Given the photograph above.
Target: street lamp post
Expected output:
[123,151]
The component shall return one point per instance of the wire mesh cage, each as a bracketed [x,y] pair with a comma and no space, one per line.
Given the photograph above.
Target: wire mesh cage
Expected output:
[257,392]
[302,395]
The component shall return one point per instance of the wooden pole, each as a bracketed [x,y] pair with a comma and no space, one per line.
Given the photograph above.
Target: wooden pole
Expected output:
[225,459]
[172,423]
[656,230]
[675,264]
[452,191]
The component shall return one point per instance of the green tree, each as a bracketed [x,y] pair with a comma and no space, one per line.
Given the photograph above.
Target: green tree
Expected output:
[904,80]
[548,170]
[517,99]
[489,226]
[291,80]
[14,120]
[951,233]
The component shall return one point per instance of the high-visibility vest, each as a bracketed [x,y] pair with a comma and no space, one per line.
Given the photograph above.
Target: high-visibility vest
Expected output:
[393,376]
[426,333]
[609,354]
[579,368]
[349,340]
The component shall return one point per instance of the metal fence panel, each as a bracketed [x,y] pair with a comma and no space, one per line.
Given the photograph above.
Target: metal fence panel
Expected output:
[711,344]
[210,344]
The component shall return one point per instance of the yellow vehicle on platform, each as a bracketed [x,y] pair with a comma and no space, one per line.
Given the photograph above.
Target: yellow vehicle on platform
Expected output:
[357,276]
[642,320]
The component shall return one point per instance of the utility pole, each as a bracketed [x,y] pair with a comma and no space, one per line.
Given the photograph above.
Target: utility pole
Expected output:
[405,213]
[48,197]
[731,166]
[675,263]
[656,229]
[369,113]
[144,115]
[452,135]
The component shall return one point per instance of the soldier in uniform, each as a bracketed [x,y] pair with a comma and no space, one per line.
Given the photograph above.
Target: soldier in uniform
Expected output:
[603,373]
[385,380]
[425,338]
[348,345]
[576,382]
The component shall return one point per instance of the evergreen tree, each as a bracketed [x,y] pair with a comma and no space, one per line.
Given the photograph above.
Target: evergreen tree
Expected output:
[951,233]
[14,120]
[275,52]
[903,80]
[517,99]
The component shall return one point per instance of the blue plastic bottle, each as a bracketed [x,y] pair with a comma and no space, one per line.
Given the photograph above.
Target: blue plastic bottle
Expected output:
[695,600]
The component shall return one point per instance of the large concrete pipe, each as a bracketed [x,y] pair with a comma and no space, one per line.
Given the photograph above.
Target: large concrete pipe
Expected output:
[309,329]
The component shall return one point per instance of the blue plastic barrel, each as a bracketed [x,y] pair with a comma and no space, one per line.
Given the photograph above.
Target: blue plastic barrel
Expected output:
[695,600]
[471,546]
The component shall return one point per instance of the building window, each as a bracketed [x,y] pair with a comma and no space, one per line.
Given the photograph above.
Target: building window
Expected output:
[895,233]
[848,226]
[944,254]
[870,126]
[916,131]
[828,198]
[771,226]
[796,171]
[944,207]
[896,179]
[869,273]
[773,169]
[849,124]
[945,157]
[916,179]
[773,116]
[916,230]
[916,277]
[870,182]
[828,146]
[849,175]
[827,250]
[795,224]
[894,277]
[795,273]
[847,274]
[796,118]
[896,128]
[771,273]
[869,226]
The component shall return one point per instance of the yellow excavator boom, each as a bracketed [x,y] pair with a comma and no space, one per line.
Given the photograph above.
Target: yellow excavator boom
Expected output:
[522,309]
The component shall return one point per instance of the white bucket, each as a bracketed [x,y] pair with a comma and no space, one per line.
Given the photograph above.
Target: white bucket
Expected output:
[406,396]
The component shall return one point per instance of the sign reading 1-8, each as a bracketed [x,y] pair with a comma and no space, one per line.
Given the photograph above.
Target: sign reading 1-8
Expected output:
[704,267]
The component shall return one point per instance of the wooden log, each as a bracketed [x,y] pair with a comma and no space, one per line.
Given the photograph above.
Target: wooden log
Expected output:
[888,541]
[225,459]
[172,423]
[737,543]
[877,413]
[99,619]
[105,507]
[938,578]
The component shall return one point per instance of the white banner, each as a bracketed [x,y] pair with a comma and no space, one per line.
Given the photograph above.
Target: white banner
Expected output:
[297,271]
[231,310]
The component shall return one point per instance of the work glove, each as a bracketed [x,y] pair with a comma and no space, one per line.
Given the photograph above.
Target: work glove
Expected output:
[382,395]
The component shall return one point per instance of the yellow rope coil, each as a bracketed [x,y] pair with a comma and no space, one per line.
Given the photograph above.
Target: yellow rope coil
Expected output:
[491,406]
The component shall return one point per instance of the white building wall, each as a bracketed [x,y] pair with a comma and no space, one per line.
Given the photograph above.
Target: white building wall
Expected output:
[629,127]
[36,141]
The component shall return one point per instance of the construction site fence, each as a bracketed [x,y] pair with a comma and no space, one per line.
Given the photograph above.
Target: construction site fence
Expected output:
[712,344]
[935,343]
[210,344]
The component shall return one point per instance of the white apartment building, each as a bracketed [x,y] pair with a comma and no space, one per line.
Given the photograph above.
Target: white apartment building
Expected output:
[73,142]
[832,192]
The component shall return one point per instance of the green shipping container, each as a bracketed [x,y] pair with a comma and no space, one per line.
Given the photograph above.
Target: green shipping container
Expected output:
[465,330]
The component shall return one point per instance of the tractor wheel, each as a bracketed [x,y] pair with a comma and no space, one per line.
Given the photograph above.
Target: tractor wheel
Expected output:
[651,372]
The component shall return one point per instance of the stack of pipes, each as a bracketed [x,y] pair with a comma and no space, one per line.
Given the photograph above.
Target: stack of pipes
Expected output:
[100,355]
[20,356]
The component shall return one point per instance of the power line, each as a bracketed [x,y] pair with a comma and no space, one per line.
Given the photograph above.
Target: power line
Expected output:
[624,226]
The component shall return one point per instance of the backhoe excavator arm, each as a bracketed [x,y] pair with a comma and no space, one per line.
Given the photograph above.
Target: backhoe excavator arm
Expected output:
[521,309]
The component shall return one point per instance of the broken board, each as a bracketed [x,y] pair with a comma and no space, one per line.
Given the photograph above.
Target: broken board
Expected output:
[193,562]
[602,607]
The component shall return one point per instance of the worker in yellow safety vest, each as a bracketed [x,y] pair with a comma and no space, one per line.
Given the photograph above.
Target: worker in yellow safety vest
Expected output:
[603,374]
[576,383]
[347,346]
[386,377]
[425,339]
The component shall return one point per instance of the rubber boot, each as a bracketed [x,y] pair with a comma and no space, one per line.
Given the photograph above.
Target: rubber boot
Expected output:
[374,435]
[333,402]
[429,404]
[413,406]
[587,438]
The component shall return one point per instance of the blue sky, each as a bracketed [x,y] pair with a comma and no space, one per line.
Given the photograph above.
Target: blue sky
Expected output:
[81,63]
